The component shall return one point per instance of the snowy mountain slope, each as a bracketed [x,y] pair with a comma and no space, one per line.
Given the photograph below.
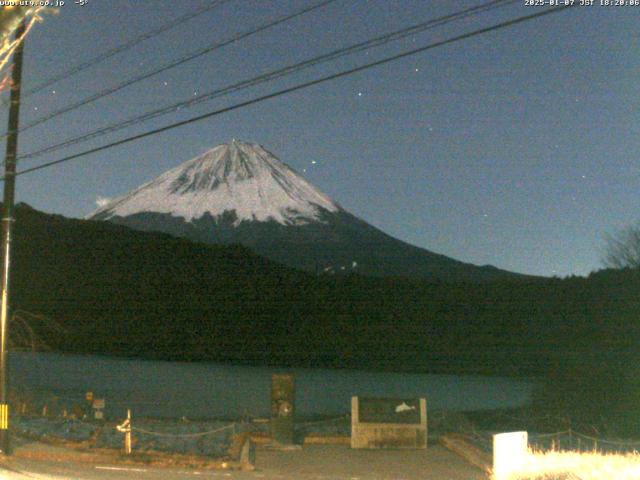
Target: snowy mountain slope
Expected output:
[241,193]
[237,177]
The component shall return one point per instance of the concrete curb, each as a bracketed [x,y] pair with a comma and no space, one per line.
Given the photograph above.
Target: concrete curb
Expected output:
[460,445]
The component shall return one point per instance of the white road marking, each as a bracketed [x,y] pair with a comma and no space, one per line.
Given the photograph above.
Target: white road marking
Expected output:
[122,469]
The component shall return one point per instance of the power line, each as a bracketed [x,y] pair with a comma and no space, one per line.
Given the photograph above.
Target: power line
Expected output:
[123,47]
[173,64]
[301,86]
[274,74]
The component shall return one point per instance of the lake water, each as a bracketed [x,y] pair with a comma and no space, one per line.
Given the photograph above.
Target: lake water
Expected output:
[206,390]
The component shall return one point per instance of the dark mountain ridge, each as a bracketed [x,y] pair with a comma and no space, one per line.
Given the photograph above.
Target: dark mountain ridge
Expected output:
[341,243]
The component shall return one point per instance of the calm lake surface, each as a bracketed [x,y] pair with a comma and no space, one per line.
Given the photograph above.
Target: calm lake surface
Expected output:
[206,390]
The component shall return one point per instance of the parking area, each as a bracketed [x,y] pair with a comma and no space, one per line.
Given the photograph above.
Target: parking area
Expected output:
[342,463]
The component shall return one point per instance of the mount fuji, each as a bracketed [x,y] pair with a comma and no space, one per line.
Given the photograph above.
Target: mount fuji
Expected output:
[241,193]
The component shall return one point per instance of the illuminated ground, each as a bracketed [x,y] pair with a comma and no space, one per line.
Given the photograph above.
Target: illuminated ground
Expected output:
[324,462]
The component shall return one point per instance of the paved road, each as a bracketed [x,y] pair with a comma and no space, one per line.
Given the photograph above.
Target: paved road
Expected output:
[314,462]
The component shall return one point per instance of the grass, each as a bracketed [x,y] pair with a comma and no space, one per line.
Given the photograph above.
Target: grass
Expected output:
[556,465]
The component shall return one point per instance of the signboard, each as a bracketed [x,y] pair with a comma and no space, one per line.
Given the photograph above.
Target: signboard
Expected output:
[388,422]
[389,410]
[98,408]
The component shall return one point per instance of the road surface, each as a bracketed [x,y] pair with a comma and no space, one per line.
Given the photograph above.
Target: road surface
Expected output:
[313,462]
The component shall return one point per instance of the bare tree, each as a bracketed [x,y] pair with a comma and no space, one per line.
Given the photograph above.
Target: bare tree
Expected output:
[29,330]
[10,18]
[622,249]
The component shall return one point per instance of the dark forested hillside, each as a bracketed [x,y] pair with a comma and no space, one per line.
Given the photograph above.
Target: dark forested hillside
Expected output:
[119,291]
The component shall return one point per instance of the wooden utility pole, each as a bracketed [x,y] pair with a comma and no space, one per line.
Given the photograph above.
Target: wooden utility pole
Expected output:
[7,223]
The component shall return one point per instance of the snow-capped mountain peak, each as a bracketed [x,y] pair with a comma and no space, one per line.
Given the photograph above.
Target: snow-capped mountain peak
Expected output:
[238,177]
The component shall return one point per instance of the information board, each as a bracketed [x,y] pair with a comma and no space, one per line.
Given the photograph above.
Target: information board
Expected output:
[388,422]
[389,410]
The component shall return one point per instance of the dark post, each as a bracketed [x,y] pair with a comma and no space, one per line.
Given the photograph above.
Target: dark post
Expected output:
[7,221]
[282,408]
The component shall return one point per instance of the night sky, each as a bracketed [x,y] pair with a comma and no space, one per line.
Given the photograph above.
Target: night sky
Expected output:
[517,148]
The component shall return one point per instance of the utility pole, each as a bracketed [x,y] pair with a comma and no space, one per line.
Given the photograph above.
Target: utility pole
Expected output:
[7,223]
